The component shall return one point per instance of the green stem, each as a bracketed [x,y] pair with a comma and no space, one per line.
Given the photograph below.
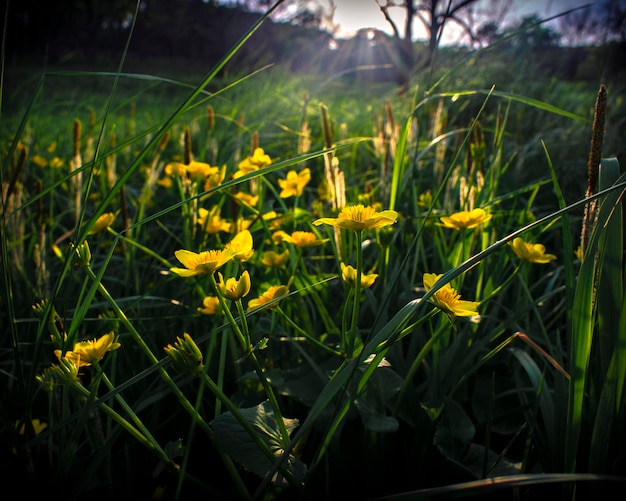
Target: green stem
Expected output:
[140,437]
[305,334]
[166,377]
[144,249]
[415,365]
[271,396]
[244,339]
[353,333]
[234,410]
[135,419]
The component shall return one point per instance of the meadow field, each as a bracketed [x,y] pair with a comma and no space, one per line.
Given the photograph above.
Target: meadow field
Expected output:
[259,284]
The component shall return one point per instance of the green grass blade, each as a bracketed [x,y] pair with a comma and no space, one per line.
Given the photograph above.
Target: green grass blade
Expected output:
[611,367]
[611,288]
[583,319]
[399,163]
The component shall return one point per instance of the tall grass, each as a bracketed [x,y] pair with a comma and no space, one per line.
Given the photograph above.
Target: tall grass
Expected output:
[333,386]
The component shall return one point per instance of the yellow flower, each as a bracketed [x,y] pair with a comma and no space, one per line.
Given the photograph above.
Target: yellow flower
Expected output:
[359,217]
[534,253]
[38,426]
[256,161]
[241,224]
[294,184]
[247,198]
[241,245]
[211,222]
[103,222]
[274,292]
[214,179]
[298,238]
[275,220]
[205,262]
[425,199]
[272,259]
[348,274]
[579,253]
[234,289]
[185,354]
[39,160]
[57,163]
[175,169]
[210,305]
[465,219]
[166,182]
[198,171]
[66,371]
[448,300]
[87,352]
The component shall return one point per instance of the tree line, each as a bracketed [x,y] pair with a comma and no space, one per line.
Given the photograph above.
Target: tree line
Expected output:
[201,31]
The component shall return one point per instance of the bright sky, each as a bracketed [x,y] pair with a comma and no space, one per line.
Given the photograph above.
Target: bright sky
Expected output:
[352,15]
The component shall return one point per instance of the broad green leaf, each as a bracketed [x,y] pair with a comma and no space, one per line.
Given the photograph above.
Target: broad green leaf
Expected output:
[455,431]
[378,396]
[238,444]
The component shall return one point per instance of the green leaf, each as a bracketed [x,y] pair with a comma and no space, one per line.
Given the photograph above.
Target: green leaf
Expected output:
[378,396]
[238,444]
[455,431]
[373,419]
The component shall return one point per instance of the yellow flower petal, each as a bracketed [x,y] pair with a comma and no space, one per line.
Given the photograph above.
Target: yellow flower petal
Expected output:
[210,305]
[103,222]
[241,245]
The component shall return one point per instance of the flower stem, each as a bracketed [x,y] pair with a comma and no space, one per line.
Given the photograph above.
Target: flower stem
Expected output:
[129,411]
[353,333]
[150,444]
[146,349]
[305,334]
[244,339]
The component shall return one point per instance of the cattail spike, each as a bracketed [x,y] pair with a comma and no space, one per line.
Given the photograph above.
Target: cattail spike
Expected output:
[188,154]
[255,141]
[593,166]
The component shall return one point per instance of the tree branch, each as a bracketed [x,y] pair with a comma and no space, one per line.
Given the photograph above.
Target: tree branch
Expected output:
[385,10]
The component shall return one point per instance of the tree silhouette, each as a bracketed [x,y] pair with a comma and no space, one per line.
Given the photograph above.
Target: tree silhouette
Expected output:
[434,15]
[595,24]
